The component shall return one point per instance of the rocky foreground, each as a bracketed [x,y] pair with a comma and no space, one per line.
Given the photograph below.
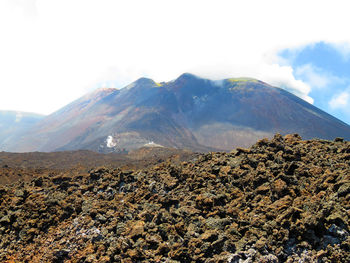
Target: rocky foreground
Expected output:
[283,200]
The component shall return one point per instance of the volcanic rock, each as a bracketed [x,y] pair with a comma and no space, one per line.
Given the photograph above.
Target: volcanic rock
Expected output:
[281,200]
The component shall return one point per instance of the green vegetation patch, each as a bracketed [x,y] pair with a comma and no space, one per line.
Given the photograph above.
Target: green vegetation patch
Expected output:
[235,80]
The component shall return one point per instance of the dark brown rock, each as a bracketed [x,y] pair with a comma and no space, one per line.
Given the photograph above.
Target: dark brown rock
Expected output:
[282,200]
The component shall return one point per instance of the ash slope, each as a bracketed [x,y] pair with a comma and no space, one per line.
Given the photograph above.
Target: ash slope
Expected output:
[23,167]
[189,112]
[284,200]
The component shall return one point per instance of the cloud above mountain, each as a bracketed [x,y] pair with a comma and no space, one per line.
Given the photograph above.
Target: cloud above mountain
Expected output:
[65,48]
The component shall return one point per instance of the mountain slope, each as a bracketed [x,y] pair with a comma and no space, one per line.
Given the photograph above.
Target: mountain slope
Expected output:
[189,112]
[13,124]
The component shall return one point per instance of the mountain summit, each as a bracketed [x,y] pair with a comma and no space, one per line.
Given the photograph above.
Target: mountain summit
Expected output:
[188,112]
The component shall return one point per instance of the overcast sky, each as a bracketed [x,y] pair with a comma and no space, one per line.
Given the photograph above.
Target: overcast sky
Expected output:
[52,52]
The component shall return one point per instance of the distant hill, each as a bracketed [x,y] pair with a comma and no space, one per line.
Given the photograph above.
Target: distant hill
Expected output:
[13,124]
[189,112]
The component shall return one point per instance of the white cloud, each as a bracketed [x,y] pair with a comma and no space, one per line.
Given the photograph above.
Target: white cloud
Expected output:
[340,101]
[65,47]
[343,48]
[317,78]
[26,8]
[282,76]
[313,78]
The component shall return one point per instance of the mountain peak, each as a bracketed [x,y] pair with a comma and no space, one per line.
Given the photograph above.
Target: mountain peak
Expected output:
[242,80]
[144,81]
[187,76]
[189,112]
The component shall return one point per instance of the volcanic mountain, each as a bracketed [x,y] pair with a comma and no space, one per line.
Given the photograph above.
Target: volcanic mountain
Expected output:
[189,112]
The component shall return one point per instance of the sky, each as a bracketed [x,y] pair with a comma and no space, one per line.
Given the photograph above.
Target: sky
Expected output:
[52,52]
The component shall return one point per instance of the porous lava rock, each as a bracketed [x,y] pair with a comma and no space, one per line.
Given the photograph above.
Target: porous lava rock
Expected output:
[282,200]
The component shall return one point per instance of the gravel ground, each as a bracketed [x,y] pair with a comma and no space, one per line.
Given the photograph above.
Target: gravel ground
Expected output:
[282,200]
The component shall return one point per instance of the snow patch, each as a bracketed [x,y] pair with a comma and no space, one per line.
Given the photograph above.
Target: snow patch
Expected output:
[110,143]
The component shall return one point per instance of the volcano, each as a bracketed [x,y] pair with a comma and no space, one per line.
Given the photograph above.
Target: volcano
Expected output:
[189,112]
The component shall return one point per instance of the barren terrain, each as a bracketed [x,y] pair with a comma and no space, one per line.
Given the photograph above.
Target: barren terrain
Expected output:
[282,200]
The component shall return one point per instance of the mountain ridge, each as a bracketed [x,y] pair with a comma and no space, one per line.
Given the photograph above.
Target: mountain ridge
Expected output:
[188,112]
